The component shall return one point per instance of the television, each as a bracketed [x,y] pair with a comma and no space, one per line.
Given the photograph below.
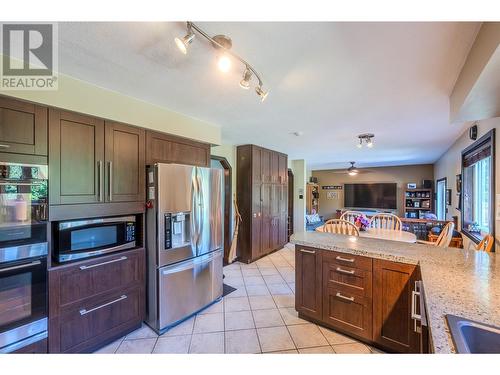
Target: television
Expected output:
[373,195]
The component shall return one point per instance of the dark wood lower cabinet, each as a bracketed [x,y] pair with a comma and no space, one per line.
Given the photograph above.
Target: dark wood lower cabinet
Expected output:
[392,299]
[308,296]
[368,299]
[39,347]
[96,301]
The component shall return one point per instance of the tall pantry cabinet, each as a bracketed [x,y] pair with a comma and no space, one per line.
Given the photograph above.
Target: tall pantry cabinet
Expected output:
[262,197]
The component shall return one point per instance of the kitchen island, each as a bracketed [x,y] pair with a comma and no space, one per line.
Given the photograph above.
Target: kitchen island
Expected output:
[461,282]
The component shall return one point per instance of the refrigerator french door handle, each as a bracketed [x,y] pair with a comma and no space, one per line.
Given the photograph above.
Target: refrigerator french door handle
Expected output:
[194,210]
[200,208]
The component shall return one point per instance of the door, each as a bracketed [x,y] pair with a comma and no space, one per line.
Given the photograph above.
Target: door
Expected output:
[208,209]
[267,219]
[23,127]
[441,199]
[392,297]
[187,287]
[257,226]
[265,165]
[177,228]
[125,166]
[308,282]
[76,158]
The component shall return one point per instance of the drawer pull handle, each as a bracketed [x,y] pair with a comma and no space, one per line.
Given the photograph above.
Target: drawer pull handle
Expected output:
[21,266]
[350,260]
[103,263]
[351,272]
[85,311]
[339,295]
[5,146]
[308,251]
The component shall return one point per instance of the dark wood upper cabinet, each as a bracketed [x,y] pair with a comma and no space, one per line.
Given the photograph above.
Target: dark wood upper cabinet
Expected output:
[92,161]
[76,158]
[308,282]
[23,127]
[125,162]
[263,198]
[165,148]
[392,291]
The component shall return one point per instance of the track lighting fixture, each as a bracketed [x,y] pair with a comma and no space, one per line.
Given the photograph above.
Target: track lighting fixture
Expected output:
[245,82]
[263,94]
[224,63]
[368,138]
[184,43]
[223,44]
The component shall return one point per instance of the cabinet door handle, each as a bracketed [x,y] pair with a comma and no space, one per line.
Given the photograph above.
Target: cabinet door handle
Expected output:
[261,199]
[85,311]
[341,296]
[35,263]
[103,263]
[101,181]
[307,251]
[5,146]
[350,260]
[110,183]
[351,272]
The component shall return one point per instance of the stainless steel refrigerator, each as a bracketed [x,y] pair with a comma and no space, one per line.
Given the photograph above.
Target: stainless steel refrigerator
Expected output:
[184,226]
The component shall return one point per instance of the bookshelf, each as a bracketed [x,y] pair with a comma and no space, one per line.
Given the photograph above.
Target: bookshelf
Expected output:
[417,202]
[312,196]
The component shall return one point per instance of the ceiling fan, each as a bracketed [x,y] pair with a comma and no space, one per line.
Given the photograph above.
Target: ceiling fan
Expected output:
[352,170]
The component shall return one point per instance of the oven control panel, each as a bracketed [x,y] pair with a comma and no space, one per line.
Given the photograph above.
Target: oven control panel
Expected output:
[130,231]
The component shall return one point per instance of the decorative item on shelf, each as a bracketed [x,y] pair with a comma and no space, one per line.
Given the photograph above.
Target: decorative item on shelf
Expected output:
[426,204]
[412,185]
[361,222]
[416,204]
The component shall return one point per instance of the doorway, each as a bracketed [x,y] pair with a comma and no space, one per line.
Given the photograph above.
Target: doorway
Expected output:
[441,199]
[290,204]
[222,163]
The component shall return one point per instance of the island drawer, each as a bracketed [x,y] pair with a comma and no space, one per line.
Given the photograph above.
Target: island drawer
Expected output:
[349,260]
[347,279]
[348,312]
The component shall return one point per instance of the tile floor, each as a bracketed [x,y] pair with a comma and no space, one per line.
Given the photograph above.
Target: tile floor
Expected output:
[259,317]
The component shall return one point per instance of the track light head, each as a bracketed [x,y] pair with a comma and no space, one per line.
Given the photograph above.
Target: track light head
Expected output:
[245,82]
[360,144]
[263,94]
[224,63]
[352,170]
[184,43]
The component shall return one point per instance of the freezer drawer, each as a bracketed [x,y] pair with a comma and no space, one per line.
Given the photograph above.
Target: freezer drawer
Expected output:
[187,287]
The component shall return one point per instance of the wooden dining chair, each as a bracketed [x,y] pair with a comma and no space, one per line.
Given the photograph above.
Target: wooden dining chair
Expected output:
[444,238]
[486,243]
[338,226]
[386,221]
[350,216]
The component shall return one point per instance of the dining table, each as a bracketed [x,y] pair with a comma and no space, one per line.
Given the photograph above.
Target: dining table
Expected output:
[384,234]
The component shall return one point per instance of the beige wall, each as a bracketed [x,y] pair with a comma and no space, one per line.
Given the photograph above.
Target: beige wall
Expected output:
[299,170]
[400,175]
[80,96]
[449,166]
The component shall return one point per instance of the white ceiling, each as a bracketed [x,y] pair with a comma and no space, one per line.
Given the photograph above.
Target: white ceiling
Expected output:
[331,81]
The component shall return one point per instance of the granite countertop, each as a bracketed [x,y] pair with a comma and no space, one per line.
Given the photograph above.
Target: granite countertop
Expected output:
[456,281]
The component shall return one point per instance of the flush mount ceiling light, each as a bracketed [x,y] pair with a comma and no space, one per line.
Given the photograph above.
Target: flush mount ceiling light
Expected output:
[225,56]
[367,138]
[352,170]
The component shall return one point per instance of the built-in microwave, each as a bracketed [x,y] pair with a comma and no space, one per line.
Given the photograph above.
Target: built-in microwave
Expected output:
[79,239]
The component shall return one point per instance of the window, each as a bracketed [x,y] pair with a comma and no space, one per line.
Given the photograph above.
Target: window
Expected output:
[441,199]
[478,184]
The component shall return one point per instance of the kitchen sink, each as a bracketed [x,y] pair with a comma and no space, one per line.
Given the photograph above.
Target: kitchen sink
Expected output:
[473,337]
